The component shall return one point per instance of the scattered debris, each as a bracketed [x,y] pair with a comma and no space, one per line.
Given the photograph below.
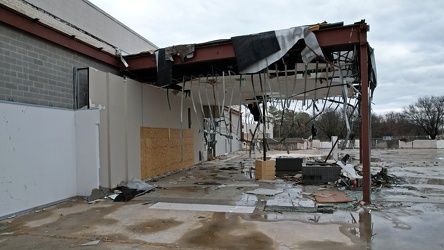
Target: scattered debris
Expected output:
[207,183]
[228,168]
[265,191]
[113,196]
[91,243]
[353,218]
[348,170]
[382,178]
[95,201]
[326,209]
[96,193]
[296,178]
[139,185]
[133,189]
[315,218]
[182,179]
[6,233]
[280,209]
[329,196]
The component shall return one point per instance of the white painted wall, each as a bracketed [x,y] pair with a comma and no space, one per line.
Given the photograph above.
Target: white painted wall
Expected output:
[326,144]
[427,144]
[422,144]
[126,105]
[236,144]
[225,145]
[316,144]
[252,127]
[98,91]
[134,120]
[87,150]
[39,156]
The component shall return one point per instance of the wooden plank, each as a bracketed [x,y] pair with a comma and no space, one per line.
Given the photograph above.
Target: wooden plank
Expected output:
[161,150]
[329,196]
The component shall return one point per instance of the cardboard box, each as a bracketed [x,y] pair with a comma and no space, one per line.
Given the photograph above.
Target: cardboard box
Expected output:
[265,170]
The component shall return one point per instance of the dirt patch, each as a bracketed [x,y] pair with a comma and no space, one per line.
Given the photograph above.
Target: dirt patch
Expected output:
[52,222]
[226,232]
[154,226]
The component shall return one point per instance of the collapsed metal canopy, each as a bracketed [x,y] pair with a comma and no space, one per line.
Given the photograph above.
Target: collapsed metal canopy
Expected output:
[338,62]
[287,78]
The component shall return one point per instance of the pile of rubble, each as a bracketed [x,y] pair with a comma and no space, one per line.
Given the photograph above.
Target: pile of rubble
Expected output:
[349,177]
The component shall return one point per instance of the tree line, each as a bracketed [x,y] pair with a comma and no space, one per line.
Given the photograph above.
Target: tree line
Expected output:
[425,117]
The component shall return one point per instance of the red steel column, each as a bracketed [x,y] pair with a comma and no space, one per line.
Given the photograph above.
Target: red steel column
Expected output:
[365,121]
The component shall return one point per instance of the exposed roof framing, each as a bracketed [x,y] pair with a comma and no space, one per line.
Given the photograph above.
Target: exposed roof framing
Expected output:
[288,78]
[216,56]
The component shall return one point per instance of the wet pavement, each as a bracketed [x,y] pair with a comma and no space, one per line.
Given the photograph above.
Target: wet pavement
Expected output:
[220,205]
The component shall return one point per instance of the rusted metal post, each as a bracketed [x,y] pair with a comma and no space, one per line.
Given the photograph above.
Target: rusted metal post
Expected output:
[365,120]
[264,143]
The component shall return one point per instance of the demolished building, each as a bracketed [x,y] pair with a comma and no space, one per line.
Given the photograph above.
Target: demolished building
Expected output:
[82,110]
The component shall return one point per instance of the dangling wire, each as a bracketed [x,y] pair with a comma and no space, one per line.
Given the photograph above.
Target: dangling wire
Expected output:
[194,105]
[181,120]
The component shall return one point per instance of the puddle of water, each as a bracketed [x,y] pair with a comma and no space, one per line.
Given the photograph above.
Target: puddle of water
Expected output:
[420,180]
[407,232]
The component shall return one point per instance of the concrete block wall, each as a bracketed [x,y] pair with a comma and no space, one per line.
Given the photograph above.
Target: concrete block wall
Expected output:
[35,71]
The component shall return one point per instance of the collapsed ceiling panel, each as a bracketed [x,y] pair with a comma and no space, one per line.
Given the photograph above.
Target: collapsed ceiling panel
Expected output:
[230,89]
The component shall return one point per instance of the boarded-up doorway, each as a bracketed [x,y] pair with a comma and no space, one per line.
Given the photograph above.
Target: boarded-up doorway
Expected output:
[162,150]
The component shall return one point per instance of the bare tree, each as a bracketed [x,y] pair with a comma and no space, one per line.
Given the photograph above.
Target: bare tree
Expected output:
[289,124]
[428,114]
[330,123]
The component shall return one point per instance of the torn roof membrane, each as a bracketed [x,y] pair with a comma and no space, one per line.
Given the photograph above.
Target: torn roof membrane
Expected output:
[256,52]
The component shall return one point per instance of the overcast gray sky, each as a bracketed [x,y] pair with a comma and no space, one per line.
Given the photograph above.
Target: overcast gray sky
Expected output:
[408,36]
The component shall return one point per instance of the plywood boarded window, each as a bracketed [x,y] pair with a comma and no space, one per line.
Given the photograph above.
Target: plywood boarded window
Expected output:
[161,150]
